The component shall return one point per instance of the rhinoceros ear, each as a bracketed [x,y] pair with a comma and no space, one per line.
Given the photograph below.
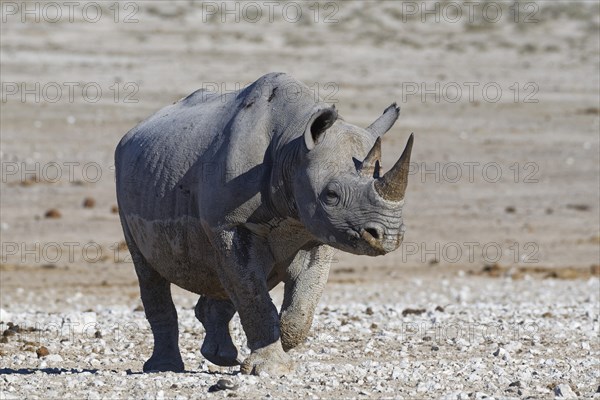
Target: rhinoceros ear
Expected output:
[385,121]
[319,122]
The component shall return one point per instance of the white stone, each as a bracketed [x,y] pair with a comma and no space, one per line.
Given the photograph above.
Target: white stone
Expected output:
[585,345]
[564,391]
[5,316]
[53,358]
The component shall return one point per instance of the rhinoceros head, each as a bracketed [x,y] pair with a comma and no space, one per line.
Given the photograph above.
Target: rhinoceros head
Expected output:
[342,195]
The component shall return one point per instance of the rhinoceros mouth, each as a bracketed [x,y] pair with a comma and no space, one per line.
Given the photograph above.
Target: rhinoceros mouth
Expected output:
[372,241]
[361,237]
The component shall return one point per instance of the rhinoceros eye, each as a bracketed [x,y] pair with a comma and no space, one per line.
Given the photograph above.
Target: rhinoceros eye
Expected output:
[332,198]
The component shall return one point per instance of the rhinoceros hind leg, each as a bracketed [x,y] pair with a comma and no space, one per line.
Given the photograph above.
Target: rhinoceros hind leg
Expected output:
[161,314]
[218,347]
[244,256]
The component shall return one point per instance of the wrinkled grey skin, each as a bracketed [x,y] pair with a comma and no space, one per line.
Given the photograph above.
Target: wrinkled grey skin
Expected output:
[228,195]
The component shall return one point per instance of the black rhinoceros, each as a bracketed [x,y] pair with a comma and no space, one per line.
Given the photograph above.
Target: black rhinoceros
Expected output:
[228,195]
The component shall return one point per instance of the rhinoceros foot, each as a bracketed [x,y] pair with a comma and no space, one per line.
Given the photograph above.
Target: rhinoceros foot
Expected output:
[162,364]
[220,350]
[270,359]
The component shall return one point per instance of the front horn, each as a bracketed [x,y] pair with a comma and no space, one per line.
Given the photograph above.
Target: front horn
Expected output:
[392,185]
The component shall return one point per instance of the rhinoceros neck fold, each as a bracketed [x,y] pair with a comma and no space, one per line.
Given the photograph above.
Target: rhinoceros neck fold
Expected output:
[281,197]
[285,151]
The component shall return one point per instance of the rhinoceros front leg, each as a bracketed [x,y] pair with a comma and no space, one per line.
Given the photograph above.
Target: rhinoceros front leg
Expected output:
[215,315]
[305,279]
[161,314]
[246,259]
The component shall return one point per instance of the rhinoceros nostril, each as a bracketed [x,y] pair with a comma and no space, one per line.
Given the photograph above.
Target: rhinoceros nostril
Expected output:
[373,232]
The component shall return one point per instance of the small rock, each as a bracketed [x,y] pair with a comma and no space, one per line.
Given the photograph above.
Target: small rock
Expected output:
[513,346]
[585,345]
[578,207]
[510,209]
[114,209]
[89,202]
[500,352]
[54,358]
[4,315]
[42,352]
[439,309]
[564,391]
[515,384]
[223,384]
[369,311]
[412,311]
[93,395]
[226,384]
[435,348]
[98,335]
[53,213]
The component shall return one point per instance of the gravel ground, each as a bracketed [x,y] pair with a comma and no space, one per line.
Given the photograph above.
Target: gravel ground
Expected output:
[424,334]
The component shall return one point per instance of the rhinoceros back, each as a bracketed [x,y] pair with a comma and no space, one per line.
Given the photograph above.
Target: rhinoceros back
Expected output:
[155,162]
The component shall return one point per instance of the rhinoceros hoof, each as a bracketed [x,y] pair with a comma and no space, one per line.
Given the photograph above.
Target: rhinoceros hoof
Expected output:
[270,359]
[223,352]
[160,364]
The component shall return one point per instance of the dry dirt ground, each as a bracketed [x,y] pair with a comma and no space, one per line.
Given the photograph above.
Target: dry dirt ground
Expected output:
[495,291]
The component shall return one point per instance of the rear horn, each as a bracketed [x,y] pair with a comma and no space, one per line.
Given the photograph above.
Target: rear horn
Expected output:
[371,165]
